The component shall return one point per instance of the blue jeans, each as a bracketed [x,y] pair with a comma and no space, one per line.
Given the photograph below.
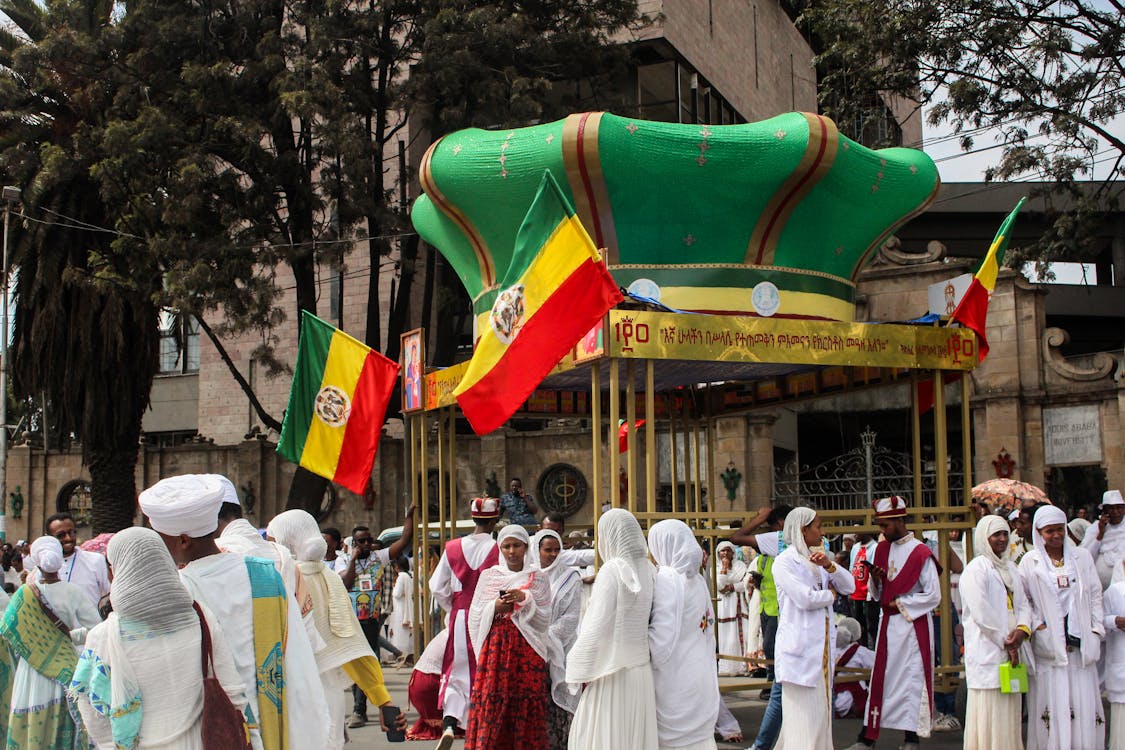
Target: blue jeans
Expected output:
[771,722]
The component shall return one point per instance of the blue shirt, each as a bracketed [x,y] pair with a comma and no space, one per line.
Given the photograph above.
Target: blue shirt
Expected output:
[516,509]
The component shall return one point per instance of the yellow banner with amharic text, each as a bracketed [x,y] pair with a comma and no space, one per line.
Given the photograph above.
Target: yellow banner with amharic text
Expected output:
[731,338]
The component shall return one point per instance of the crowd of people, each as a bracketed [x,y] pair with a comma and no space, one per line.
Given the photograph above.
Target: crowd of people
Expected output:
[531,648]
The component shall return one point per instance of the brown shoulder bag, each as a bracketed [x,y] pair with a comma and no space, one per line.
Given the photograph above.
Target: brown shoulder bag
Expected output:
[223,726]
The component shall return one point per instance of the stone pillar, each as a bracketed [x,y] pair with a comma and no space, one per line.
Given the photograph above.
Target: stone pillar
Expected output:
[759,473]
[494,459]
[1118,253]
[732,446]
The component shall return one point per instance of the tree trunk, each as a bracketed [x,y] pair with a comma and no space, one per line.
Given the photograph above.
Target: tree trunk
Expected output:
[306,491]
[113,490]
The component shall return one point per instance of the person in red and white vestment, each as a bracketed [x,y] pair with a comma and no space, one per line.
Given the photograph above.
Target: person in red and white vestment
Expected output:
[453,584]
[904,579]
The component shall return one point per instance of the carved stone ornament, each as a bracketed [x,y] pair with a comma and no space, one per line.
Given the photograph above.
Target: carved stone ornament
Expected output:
[891,253]
[1053,338]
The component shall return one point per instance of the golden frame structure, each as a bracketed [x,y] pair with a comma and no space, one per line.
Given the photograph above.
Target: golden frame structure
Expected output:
[793,359]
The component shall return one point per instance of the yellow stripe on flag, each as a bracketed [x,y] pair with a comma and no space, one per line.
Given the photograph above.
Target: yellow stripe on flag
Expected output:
[989,269]
[560,256]
[342,370]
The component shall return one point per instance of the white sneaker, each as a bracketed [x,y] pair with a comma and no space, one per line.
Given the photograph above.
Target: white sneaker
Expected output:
[908,746]
[859,746]
[946,723]
[446,740]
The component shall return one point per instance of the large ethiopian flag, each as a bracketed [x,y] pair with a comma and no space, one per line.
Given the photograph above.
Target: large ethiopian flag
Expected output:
[972,311]
[337,403]
[554,291]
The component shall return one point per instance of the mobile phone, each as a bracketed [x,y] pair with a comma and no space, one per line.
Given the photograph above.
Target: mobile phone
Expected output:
[501,592]
[390,718]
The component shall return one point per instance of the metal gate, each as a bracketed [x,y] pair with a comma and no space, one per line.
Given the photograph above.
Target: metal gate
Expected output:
[852,480]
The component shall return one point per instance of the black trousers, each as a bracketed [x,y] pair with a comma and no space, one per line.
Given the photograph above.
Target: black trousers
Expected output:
[769,639]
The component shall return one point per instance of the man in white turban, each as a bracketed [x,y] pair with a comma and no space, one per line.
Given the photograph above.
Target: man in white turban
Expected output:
[261,622]
[1105,540]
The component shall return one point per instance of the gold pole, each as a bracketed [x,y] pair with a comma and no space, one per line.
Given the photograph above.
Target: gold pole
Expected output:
[614,418]
[673,451]
[596,444]
[441,459]
[941,473]
[916,437]
[698,459]
[711,483]
[452,482]
[415,493]
[650,435]
[631,417]
[967,458]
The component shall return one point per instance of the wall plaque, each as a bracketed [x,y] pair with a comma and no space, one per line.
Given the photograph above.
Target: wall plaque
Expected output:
[1072,435]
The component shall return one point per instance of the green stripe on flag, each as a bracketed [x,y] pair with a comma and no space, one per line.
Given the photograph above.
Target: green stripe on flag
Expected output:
[312,354]
[543,218]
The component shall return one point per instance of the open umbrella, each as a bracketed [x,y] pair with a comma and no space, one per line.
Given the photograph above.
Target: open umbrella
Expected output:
[97,544]
[1008,493]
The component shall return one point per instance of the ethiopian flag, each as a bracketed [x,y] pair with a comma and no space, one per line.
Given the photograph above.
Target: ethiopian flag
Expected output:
[553,293]
[972,310]
[337,403]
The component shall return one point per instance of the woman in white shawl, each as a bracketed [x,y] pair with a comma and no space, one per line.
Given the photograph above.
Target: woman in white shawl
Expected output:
[566,609]
[402,611]
[807,583]
[1062,584]
[997,620]
[139,683]
[346,657]
[617,710]
[509,624]
[734,609]
[681,641]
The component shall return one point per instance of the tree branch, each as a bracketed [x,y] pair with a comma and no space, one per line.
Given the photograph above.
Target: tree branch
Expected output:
[266,418]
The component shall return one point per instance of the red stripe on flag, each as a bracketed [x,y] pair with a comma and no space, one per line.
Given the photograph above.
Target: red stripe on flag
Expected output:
[559,323]
[972,312]
[377,381]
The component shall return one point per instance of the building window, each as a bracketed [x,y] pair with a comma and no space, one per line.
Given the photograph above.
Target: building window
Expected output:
[179,344]
[336,297]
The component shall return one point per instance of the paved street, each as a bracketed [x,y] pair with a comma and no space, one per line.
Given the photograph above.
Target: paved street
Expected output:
[746,709]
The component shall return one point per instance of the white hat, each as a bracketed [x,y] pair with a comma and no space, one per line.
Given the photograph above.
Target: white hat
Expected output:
[1014,514]
[1112,497]
[890,507]
[230,494]
[187,504]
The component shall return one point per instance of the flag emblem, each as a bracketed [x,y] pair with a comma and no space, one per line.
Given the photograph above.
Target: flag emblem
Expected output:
[333,406]
[507,313]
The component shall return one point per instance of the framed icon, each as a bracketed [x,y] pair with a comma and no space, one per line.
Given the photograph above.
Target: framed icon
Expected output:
[413,368]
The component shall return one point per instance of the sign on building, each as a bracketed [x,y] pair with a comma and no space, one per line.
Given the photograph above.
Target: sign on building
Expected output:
[1072,435]
[946,295]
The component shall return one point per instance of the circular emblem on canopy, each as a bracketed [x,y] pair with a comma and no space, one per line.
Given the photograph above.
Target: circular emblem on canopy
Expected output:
[332,406]
[645,288]
[507,313]
[765,298]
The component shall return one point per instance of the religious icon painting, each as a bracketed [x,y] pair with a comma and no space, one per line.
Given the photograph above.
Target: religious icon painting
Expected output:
[413,370]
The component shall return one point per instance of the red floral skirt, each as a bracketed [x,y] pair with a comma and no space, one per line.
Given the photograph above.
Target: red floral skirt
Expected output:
[423,693]
[508,703]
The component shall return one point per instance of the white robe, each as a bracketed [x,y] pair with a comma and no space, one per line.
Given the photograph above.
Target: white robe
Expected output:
[84,569]
[1107,552]
[906,705]
[733,618]
[223,584]
[989,614]
[682,645]
[171,710]
[1064,683]
[402,613]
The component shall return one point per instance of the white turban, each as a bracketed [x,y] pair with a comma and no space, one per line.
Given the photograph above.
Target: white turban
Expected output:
[47,554]
[187,504]
[230,494]
[848,631]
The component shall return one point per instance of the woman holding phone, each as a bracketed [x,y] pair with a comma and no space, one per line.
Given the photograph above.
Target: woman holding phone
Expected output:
[509,623]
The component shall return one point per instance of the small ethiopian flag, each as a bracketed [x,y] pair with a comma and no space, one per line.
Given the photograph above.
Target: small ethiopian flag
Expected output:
[337,404]
[972,310]
[554,291]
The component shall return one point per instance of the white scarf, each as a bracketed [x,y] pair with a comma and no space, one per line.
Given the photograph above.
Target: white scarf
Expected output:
[678,557]
[614,633]
[560,576]
[985,528]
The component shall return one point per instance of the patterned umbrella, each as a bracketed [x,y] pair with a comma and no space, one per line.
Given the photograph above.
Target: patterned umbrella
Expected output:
[1008,493]
[97,544]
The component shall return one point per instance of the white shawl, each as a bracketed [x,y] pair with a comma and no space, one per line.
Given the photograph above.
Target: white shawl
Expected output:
[566,610]
[532,616]
[614,633]
[1036,571]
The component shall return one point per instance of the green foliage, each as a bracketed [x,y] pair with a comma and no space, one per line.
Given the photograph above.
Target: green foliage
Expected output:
[1046,77]
[507,63]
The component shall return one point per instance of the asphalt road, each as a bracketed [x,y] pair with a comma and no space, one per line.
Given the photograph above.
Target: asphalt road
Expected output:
[745,706]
